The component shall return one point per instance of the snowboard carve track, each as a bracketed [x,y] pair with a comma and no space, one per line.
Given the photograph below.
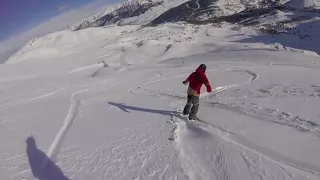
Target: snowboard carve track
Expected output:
[242,142]
[268,154]
[275,116]
[47,95]
[32,99]
[254,77]
[55,146]
[67,124]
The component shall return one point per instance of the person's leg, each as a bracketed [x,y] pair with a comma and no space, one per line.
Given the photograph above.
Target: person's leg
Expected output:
[195,107]
[187,107]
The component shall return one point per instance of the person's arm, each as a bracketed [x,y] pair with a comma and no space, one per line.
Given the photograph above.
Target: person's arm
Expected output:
[187,80]
[207,83]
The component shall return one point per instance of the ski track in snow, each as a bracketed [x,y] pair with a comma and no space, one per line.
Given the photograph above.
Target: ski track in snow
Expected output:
[56,144]
[220,160]
[201,150]
[222,171]
[67,124]
[34,98]
[254,76]
[270,115]
[235,139]
[133,155]
[48,94]
[75,103]
[194,170]
[240,141]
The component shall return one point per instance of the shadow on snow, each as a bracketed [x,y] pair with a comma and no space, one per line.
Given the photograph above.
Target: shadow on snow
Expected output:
[42,167]
[126,108]
[195,130]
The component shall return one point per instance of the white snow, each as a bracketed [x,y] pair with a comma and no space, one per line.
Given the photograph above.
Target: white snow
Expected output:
[298,4]
[152,13]
[122,121]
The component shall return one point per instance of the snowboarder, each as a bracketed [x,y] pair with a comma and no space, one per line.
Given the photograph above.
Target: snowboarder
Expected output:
[196,80]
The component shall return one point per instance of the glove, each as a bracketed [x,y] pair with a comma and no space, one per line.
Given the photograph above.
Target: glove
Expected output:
[209,89]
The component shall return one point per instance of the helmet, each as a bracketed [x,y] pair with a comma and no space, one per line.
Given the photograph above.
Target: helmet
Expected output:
[203,66]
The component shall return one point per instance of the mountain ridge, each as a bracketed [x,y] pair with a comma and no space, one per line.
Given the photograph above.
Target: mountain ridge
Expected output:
[277,19]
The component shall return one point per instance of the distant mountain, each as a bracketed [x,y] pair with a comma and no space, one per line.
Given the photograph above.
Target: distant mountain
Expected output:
[300,4]
[135,12]
[152,12]
[284,20]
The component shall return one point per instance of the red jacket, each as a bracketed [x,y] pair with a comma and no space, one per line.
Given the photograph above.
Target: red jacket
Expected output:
[196,80]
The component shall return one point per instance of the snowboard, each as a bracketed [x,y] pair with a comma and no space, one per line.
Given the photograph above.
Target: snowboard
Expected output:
[187,117]
[197,120]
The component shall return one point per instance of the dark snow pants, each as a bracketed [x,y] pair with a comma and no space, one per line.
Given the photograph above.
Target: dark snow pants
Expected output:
[191,107]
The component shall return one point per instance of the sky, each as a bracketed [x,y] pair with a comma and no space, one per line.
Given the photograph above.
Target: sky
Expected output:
[23,20]
[19,15]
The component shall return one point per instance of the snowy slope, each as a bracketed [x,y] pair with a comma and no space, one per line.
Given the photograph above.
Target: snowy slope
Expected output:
[92,19]
[154,12]
[290,29]
[135,12]
[299,4]
[63,43]
[121,120]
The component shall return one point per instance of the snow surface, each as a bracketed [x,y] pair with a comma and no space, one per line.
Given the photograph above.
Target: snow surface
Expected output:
[121,120]
[151,13]
[298,4]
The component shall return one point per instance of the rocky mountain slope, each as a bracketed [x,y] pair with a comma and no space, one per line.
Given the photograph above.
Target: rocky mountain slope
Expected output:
[293,24]
[140,12]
